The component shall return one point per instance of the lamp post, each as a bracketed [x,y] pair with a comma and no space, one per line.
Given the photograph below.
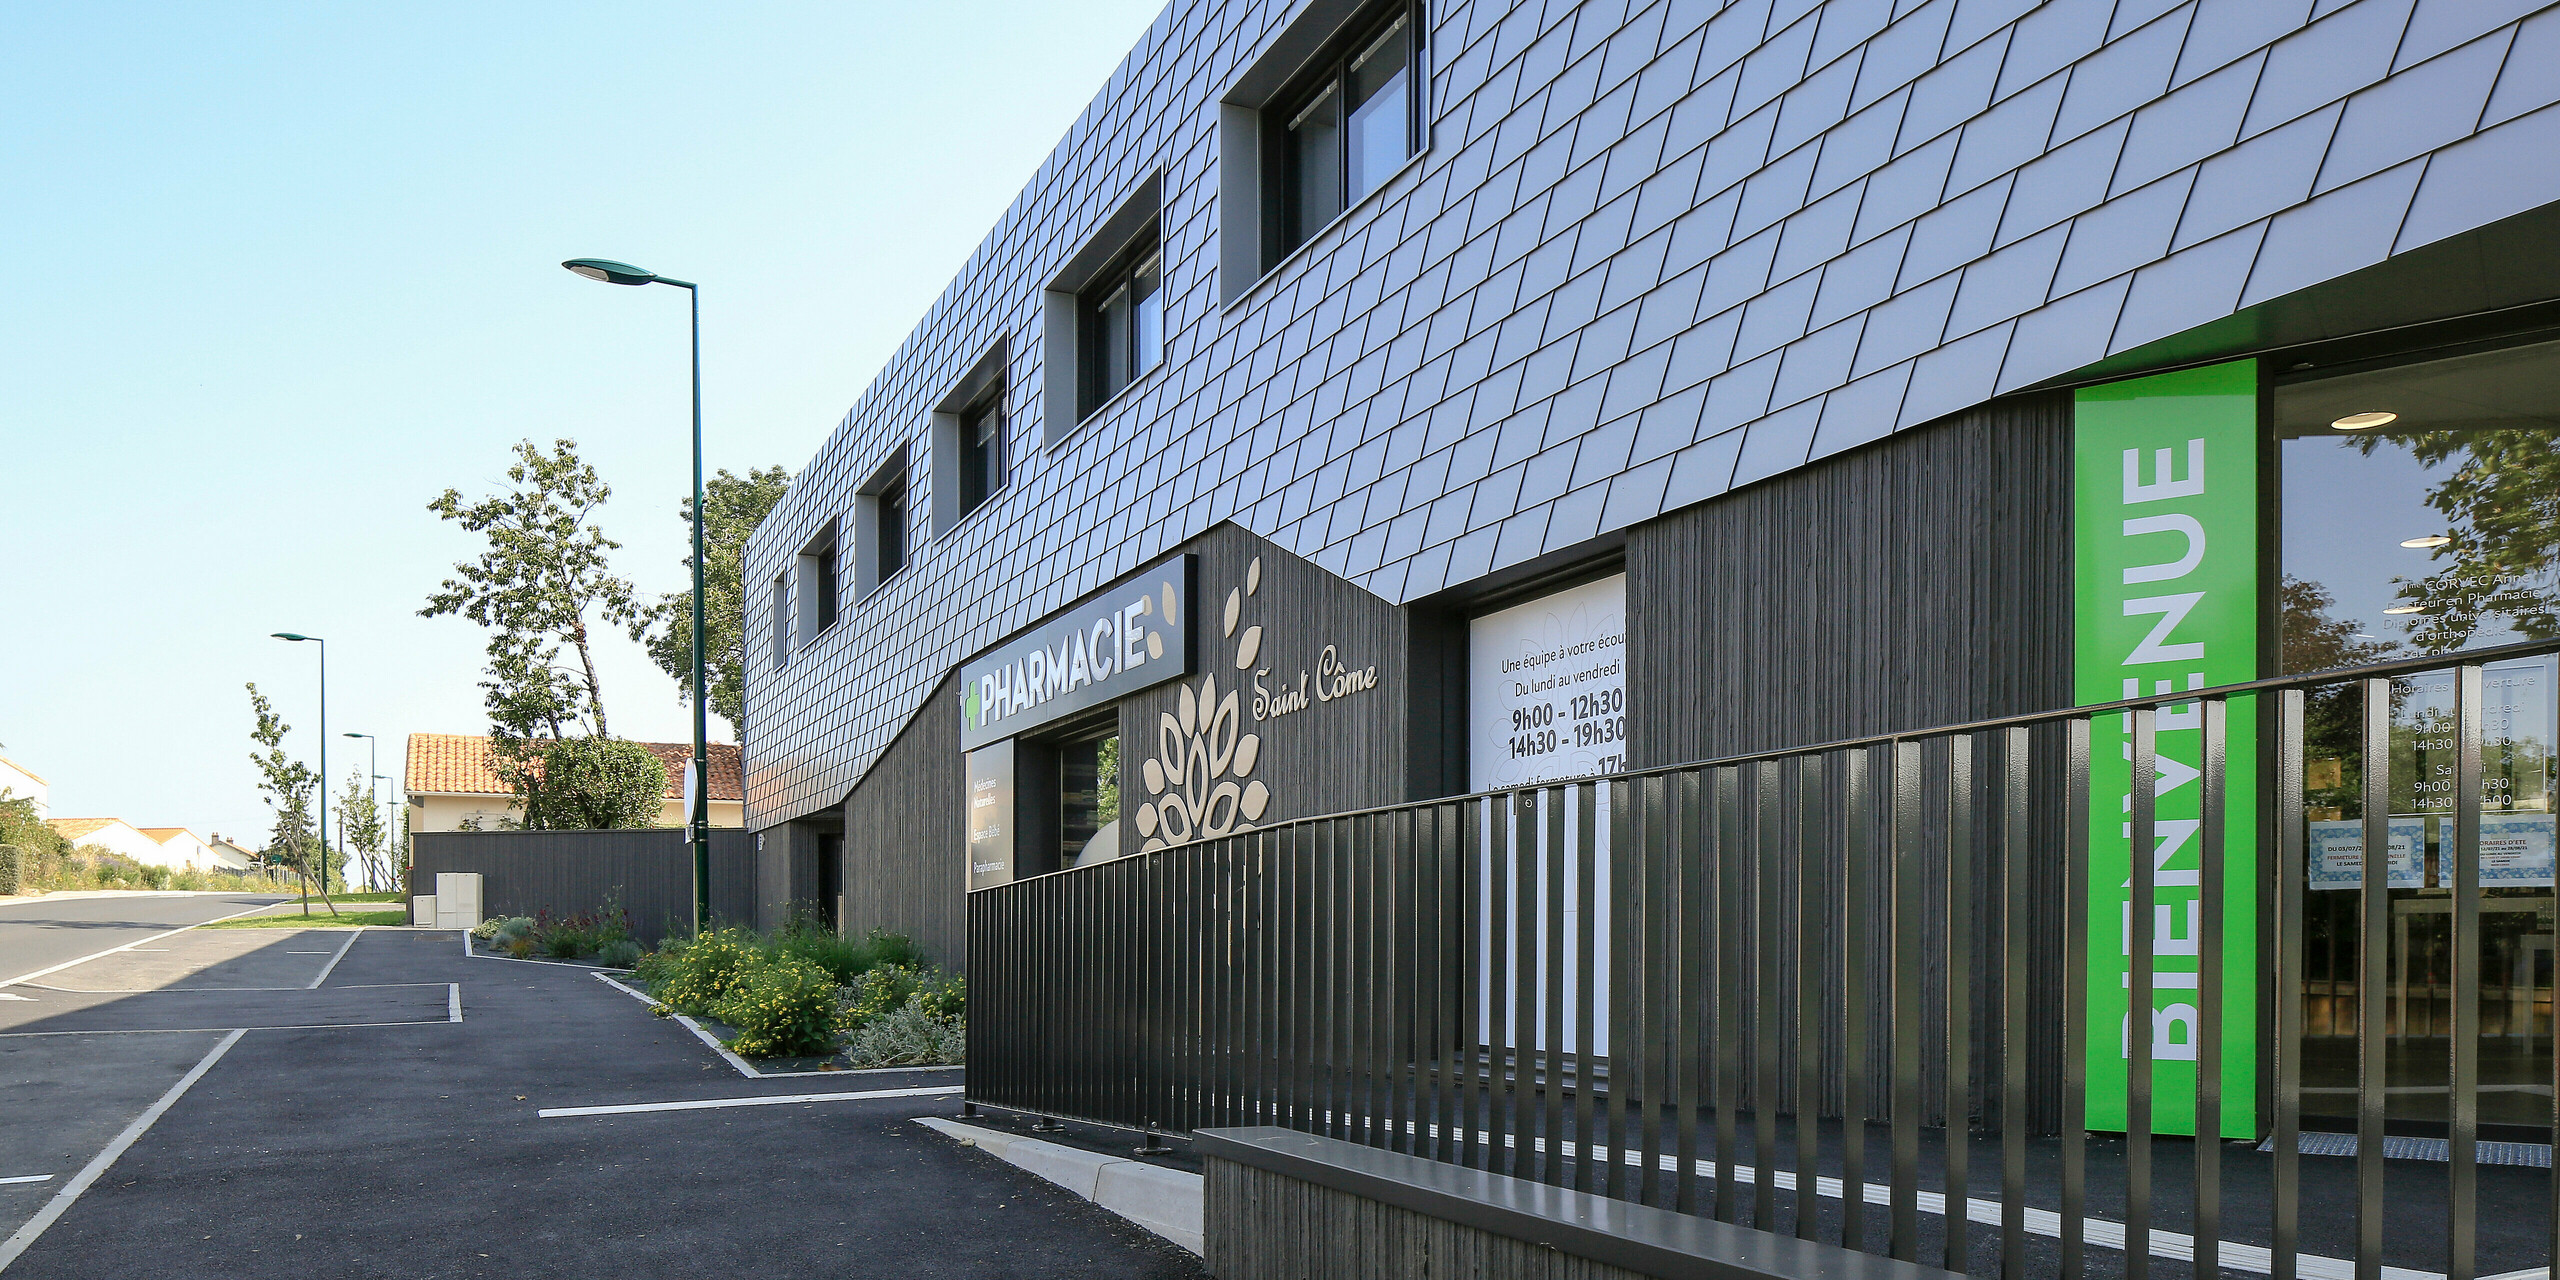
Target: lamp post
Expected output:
[372,762]
[698,790]
[323,825]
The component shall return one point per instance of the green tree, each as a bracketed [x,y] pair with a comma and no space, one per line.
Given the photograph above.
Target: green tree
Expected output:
[732,507]
[535,587]
[288,786]
[593,784]
[361,822]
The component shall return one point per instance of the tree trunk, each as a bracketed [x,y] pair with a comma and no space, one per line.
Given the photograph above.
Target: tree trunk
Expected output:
[587,661]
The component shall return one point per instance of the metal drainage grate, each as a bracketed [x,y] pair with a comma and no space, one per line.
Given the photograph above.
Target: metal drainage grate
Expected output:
[2533,1155]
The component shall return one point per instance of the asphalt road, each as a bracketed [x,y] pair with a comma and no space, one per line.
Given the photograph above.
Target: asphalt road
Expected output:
[355,1129]
[41,934]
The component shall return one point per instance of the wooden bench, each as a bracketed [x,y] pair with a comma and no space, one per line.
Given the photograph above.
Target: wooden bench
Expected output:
[1283,1205]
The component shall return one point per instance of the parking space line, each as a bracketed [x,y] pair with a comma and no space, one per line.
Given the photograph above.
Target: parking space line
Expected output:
[328,968]
[11,982]
[62,1200]
[453,1009]
[30,1177]
[775,1100]
[189,1031]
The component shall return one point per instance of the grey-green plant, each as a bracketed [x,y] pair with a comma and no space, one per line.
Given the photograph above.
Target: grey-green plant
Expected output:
[732,507]
[621,953]
[909,1036]
[12,869]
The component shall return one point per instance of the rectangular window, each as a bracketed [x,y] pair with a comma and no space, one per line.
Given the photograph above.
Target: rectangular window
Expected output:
[890,520]
[982,452]
[1341,129]
[1122,323]
[781,619]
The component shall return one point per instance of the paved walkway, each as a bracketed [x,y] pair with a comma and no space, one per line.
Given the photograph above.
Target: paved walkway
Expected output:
[356,1129]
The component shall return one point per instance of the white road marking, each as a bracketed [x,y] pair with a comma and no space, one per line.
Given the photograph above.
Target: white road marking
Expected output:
[177,1031]
[306,953]
[327,969]
[31,1177]
[775,1100]
[11,982]
[62,1200]
[8,996]
[453,1006]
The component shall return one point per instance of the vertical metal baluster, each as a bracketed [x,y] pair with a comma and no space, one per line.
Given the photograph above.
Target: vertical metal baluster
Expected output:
[1497,984]
[1768,1031]
[1908,961]
[1457,967]
[1370,969]
[1430,1026]
[1340,954]
[1958,1134]
[1472,979]
[1586,981]
[1402,918]
[1307,1040]
[1812,963]
[1690,988]
[1651,963]
[1730,966]
[2289,876]
[1552,957]
[2372,978]
[1855,872]
[2017,907]
[2208,1035]
[2142,855]
[2075,996]
[1524,988]
[1252,1038]
[2462,1147]
[1626,938]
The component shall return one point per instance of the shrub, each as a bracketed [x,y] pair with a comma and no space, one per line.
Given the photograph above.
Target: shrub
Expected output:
[884,991]
[621,953]
[488,928]
[781,1005]
[883,949]
[700,972]
[155,877]
[910,1035]
[521,947]
[12,869]
[511,930]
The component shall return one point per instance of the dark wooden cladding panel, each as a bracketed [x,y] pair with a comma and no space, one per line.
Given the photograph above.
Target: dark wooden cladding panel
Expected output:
[647,872]
[1920,581]
[1332,755]
[904,869]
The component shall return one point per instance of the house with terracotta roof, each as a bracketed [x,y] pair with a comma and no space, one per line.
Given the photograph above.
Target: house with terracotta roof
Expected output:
[115,835]
[450,782]
[17,781]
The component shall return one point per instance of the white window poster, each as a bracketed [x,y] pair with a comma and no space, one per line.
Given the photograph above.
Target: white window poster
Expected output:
[2337,853]
[2515,849]
[1547,693]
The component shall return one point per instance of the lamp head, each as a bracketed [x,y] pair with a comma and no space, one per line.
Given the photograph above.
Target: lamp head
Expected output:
[355,735]
[287,635]
[609,271]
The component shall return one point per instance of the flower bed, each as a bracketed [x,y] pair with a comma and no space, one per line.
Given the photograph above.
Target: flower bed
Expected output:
[803,991]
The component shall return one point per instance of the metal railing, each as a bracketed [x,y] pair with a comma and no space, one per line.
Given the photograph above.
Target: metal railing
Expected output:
[1840,992]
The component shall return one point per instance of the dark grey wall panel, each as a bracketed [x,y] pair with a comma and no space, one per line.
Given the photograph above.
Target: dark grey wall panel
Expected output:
[649,872]
[1925,580]
[903,865]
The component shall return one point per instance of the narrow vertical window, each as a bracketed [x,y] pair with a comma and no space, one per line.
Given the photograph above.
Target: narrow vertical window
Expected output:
[781,619]
[892,530]
[982,452]
[1123,325]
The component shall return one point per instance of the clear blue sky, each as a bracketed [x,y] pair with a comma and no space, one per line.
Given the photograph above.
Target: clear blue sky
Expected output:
[276,275]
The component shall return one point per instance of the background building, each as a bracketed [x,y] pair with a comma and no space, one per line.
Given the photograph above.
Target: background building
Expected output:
[1368,403]
[449,782]
[18,781]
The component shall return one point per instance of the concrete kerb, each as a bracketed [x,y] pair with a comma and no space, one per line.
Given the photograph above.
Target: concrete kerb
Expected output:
[1164,1201]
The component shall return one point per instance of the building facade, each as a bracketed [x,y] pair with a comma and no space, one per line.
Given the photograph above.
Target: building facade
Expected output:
[1373,402]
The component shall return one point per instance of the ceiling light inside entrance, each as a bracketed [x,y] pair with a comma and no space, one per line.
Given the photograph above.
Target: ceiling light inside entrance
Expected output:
[2427,543]
[2365,421]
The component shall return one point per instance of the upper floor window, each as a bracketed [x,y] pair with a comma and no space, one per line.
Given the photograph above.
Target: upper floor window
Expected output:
[817,587]
[982,452]
[1123,322]
[881,516]
[890,515]
[781,619]
[1337,132]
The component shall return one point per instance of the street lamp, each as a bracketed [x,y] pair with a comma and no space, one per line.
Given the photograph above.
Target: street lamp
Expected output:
[372,761]
[323,788]
[698,793]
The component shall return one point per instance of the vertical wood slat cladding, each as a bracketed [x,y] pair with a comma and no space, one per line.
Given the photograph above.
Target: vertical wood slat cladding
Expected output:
[1923,580]
[1332,756]
[648,872]
[1260,1225]
[904,830]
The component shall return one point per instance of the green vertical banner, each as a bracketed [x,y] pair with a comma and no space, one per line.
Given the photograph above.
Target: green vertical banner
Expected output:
[2165,535]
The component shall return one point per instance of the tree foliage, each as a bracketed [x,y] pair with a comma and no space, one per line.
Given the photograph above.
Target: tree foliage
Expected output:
[535,587]
[732,506]
[2501,504]
[593,784]
[365,831]
[287,785]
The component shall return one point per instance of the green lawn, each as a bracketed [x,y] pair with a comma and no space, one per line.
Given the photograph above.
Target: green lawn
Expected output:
[292,918]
